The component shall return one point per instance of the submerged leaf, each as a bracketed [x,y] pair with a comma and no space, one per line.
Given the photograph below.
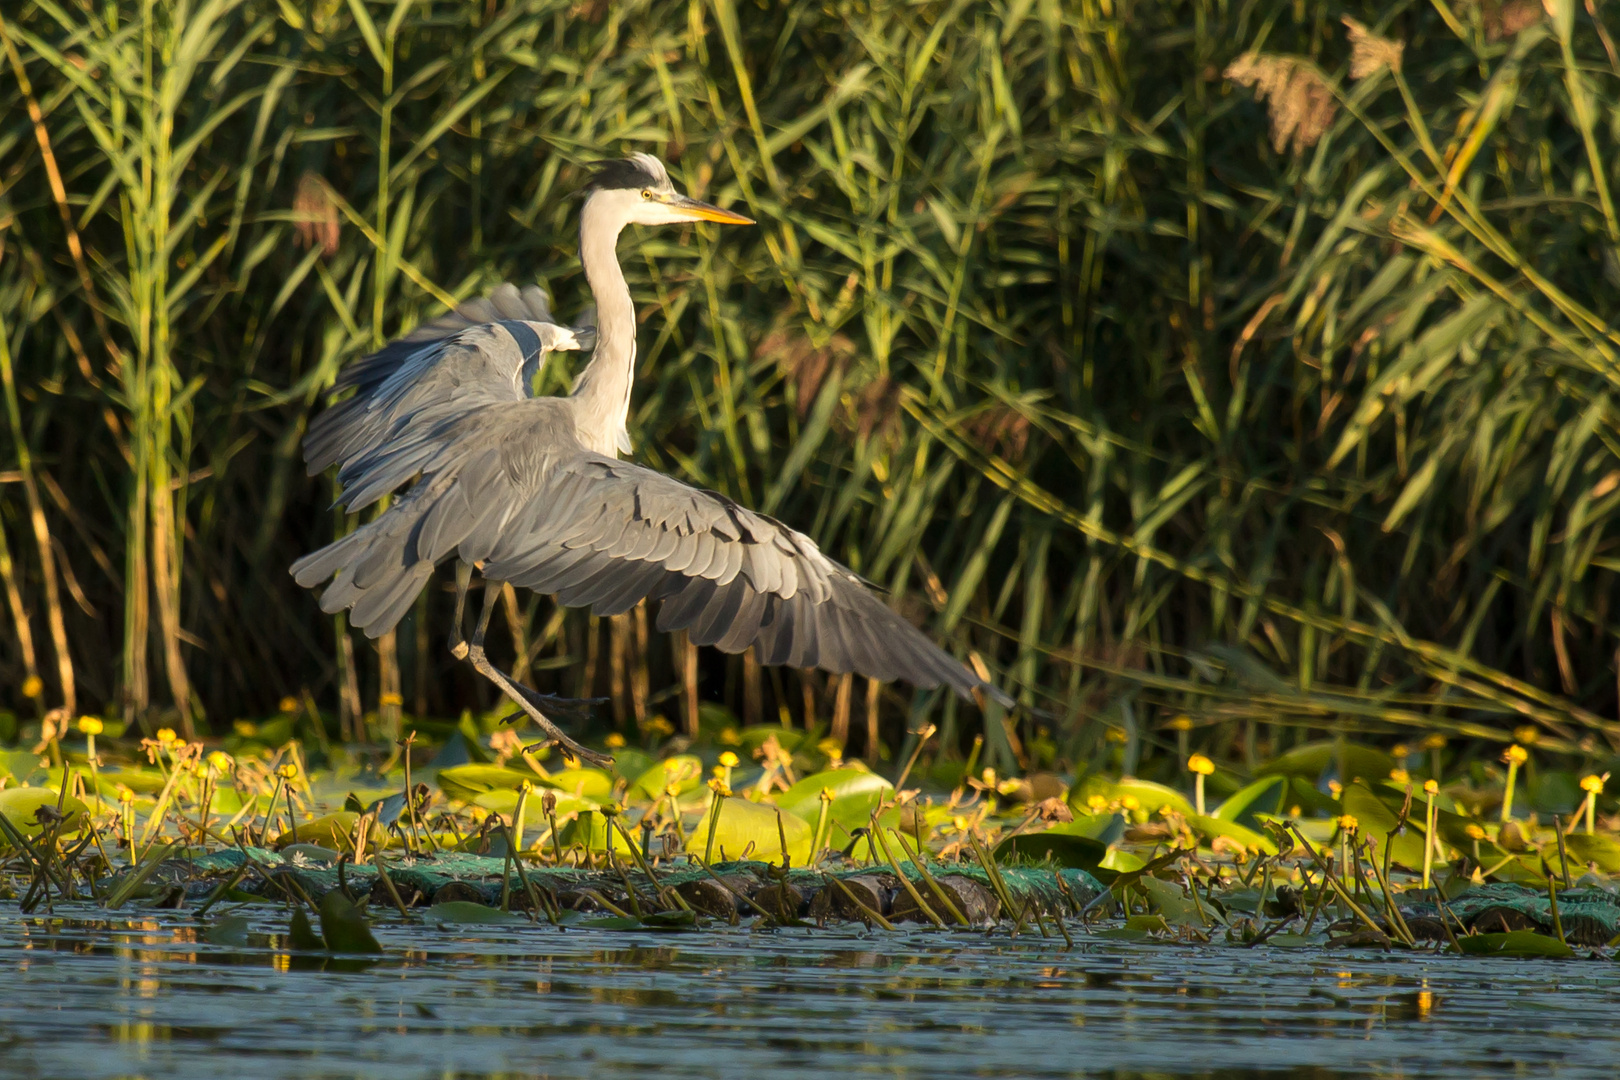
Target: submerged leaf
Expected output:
[1514,943]
[302,936]
[345,927]
[463,912]
[230,930]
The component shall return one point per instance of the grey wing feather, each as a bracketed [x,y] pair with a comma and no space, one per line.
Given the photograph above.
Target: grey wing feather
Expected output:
[486,351]
[510,486]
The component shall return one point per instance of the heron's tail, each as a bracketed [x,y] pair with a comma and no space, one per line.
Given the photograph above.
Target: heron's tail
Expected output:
[378,573]
[378,570]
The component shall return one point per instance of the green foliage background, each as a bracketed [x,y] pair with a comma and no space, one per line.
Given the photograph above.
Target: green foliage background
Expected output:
[1179,422]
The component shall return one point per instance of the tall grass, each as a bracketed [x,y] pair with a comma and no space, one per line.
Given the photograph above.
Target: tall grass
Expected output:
[1205,359]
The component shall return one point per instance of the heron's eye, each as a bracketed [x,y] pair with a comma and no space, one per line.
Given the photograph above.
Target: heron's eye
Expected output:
[646,193]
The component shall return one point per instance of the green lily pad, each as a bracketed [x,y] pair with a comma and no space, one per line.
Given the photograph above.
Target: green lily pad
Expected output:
[140,781]
[1150,797]
[21,766]
[1310,761]
[749,827]
[333,831]
[1061,844]
[855,794]
[1173,905]
[1601,850]
[504,802]
[467,782]
[1121,862]
[586,783]
[1514,943]
[685,771]
[1377,820]
[1211,827]
[20,804]
[629,762]
[1237,805]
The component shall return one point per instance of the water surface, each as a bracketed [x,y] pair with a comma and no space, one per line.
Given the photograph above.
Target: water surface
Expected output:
[88,994]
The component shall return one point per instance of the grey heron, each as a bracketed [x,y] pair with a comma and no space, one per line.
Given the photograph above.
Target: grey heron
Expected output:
[531,491]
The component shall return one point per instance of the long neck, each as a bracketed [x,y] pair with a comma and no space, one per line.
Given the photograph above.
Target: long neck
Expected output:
[603,388]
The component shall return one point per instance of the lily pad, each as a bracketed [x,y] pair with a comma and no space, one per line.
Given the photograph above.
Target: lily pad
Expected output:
[1173,905]
[20,804]
[586,783]
[749,827]
[1346,760]
[302,936]
[1602,850]
[1061,844]
[1262,794]
[685,771]
[504,802]
[855,794]
[333,831]
[1376,820]
[467,782]
[1211,827]
[1150,797]
[20,765]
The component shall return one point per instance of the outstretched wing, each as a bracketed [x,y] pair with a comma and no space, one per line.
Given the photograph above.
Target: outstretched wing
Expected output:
[484,352]
[536,509]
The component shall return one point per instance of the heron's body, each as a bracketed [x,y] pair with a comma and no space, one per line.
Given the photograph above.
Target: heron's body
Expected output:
[531,491]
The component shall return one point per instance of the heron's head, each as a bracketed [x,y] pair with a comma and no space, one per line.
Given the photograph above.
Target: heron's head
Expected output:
[637,190]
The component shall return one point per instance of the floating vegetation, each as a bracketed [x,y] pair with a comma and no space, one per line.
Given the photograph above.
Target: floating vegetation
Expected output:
[1335,844]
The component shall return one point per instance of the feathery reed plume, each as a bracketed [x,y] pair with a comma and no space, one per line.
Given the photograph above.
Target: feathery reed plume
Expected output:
[1369,53]
[807,366]
[316,215]
[1001,430]
[1509,20]
[1298,97]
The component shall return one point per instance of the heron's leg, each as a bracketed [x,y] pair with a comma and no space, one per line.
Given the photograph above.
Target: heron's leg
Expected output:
[520,694]
[458,644]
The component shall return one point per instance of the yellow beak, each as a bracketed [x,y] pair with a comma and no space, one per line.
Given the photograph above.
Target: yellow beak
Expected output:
[702,211]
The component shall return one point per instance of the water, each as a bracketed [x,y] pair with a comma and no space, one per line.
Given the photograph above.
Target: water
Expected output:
[83,994]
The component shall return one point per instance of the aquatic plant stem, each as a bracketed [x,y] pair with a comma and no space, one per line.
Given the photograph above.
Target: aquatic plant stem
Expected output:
[1428,839]
[916,897]
[934,886]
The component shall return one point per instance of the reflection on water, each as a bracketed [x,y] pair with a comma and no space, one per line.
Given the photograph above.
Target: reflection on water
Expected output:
[87,995]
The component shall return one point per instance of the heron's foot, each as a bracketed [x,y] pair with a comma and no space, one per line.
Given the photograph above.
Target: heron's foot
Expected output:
[564,709]
[573,749]
[521,696]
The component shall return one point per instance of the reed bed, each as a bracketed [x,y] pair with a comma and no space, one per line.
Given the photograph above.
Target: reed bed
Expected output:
[1208,372]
